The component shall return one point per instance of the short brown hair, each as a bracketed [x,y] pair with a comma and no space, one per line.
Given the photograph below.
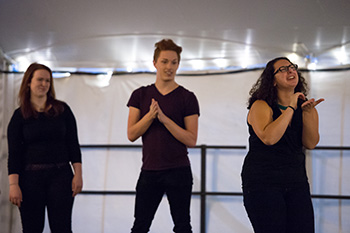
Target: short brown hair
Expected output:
[166,44]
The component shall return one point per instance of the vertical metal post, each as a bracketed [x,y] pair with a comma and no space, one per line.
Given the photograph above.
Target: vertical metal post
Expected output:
[203,189]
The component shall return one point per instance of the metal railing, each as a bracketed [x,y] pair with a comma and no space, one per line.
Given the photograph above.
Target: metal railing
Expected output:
[203,193]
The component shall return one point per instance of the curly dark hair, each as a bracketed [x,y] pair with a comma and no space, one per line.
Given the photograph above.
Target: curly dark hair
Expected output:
[264,88]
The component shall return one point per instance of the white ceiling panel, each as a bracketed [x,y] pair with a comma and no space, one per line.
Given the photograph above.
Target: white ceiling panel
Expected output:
[222,34]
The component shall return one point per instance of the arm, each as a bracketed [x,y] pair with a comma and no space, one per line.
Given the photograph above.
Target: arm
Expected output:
[136,126]
[77,182]
[187,136]
[72,141]
[310,136]
[15,193]
[260,118]
[74,151]
[15,148]
[16,145]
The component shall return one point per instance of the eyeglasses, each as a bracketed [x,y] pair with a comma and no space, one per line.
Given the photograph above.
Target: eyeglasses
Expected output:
[284,69]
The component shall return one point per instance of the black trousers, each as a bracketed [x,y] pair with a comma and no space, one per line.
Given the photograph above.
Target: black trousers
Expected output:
[280,209]
[150,189]
[47,188]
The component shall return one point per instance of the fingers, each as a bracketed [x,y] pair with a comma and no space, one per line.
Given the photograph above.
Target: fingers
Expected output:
[154,103]
[16,201]
[15,195]
[318,101]
[300,95]
[156,110]
[311,103]
[153,108]
[294,100]
[76,189]
[307,103]
[75,192]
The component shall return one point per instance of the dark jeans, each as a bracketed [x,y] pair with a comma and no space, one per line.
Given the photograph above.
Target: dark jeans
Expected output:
[151,186]
[280,209]
[50,188]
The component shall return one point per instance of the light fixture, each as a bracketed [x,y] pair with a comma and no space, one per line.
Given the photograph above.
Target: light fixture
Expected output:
[103,79]
[312,66]
[22,63]
[342,56]
[293,57]
[221,62]
[60,74]
[197,64]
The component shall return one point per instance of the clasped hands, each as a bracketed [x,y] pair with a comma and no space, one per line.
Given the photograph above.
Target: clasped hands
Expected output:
[156,111]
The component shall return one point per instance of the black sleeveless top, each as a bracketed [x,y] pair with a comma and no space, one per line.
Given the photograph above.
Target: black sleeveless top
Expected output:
[278,164]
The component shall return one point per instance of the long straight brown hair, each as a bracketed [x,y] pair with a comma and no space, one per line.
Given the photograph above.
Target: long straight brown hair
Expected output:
[53,107]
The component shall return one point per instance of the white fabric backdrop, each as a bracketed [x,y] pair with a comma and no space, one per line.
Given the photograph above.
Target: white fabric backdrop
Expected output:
[101,115]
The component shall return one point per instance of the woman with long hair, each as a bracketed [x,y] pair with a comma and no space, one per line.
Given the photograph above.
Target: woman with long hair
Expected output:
[43,148]
[282,122]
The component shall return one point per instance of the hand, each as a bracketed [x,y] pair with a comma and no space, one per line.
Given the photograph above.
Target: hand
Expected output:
[310,104]
[77,184]
[295,98]
[153,109]
[161,116]
[15,195]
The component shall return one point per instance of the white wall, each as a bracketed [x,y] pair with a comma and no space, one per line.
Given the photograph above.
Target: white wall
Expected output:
[101,114]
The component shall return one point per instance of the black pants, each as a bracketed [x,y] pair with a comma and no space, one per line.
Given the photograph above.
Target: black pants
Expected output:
[280,209]
[151,186]
[50,188]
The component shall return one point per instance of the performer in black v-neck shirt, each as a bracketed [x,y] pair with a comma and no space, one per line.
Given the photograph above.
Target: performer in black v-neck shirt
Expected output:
[165,115]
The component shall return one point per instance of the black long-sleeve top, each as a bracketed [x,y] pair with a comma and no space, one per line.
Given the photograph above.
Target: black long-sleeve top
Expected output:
[42,140]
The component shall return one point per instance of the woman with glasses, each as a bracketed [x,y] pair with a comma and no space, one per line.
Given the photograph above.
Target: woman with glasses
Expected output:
[281,121]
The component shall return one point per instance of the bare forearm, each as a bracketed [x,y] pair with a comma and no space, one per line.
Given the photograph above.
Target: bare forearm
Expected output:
[185,136]
[310,129]
[77,182]
[77,169]
[137,130]
[274,131]
[13,179]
